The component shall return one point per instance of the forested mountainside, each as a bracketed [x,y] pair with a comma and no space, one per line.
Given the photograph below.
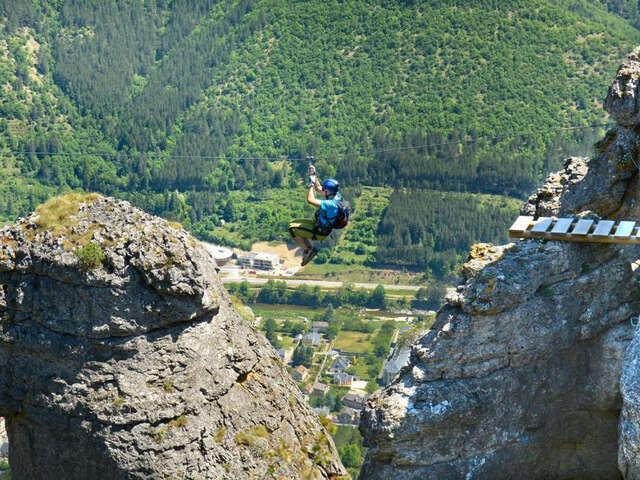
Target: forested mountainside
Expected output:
[196,110]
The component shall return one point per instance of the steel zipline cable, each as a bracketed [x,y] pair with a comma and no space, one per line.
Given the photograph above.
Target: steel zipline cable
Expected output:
[294,159]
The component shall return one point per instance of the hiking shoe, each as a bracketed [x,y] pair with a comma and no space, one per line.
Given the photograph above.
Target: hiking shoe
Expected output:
[308,256]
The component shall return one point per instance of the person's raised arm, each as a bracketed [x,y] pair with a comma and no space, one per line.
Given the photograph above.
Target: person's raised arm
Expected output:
[311,197]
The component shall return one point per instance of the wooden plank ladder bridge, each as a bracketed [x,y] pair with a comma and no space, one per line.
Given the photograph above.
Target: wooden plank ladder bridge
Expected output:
[576,230]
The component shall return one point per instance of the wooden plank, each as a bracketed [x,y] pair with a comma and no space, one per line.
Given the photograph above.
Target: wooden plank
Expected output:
[562,225]
[582,231]
[520,225]
[624,229]
[582,227]
[542,225]
[603,228]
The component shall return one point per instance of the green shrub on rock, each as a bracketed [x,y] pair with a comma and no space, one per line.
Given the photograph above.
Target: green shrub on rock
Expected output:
[90,256]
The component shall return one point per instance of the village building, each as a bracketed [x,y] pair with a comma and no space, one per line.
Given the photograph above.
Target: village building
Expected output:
[221,255]
[259,260]
[285,354]
[340,365]
[311,338]
[319,326]
[320,389]
[354,399]
[266,261]
[342,379]
[399,359]
[246,260]
[300,373]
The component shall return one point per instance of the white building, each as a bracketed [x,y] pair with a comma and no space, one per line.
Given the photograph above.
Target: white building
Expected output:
[259,260]
[220,254]
[246,260]
[266,261]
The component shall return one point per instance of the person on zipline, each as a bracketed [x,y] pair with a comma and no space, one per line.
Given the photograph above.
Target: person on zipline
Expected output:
[331,213]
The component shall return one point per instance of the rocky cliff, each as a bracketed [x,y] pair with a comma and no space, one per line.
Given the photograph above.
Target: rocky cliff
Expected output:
[4,441]
[520,375]
[123,358]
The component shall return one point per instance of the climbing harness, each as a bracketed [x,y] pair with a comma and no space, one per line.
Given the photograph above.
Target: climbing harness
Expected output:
[341,218]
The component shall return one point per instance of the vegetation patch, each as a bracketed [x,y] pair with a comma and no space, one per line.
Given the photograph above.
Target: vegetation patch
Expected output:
[283,452]
[220,433]
[159,435]
[251,436]
[56,214]
[353,342]
[167,386]
[90,256]
[350,446]
[180,421]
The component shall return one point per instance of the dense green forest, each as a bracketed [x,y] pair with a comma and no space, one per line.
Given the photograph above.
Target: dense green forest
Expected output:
[204,112]
[440,237]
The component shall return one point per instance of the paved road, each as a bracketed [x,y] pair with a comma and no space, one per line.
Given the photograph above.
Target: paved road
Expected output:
[320,283]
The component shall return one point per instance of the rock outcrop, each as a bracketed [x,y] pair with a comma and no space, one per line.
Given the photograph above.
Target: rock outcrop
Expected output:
[629,441]
[122,357]
[4,441]
[520,375]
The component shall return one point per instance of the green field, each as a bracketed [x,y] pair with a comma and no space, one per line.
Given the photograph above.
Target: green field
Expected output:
[361,369]
[283,312]
[353,342]
[286,342]
[358,274]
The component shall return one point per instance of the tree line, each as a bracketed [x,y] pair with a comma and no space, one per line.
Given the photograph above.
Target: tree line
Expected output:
[277,292]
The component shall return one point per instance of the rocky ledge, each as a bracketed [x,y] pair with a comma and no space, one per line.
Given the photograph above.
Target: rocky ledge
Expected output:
[123,358]
[520,375]
[4,441]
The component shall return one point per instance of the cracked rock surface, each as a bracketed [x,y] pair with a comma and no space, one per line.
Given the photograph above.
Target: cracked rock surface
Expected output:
[139,368]
[4,441]
[520,375]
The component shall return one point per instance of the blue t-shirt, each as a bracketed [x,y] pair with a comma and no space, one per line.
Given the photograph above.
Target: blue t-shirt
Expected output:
[329,210]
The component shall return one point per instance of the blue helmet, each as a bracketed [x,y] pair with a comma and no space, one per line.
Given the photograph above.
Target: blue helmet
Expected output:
[331,185]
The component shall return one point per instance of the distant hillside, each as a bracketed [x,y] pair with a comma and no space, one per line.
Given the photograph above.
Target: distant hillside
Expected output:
[162,90]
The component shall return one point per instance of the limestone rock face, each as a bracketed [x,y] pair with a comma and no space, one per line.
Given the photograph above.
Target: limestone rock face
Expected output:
[126,359]
[4,441]
[622,98]
[520,375]
[629,442]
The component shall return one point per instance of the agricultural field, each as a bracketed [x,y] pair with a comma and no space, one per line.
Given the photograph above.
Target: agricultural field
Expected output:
[353,342]
[283,312]
[359,274]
